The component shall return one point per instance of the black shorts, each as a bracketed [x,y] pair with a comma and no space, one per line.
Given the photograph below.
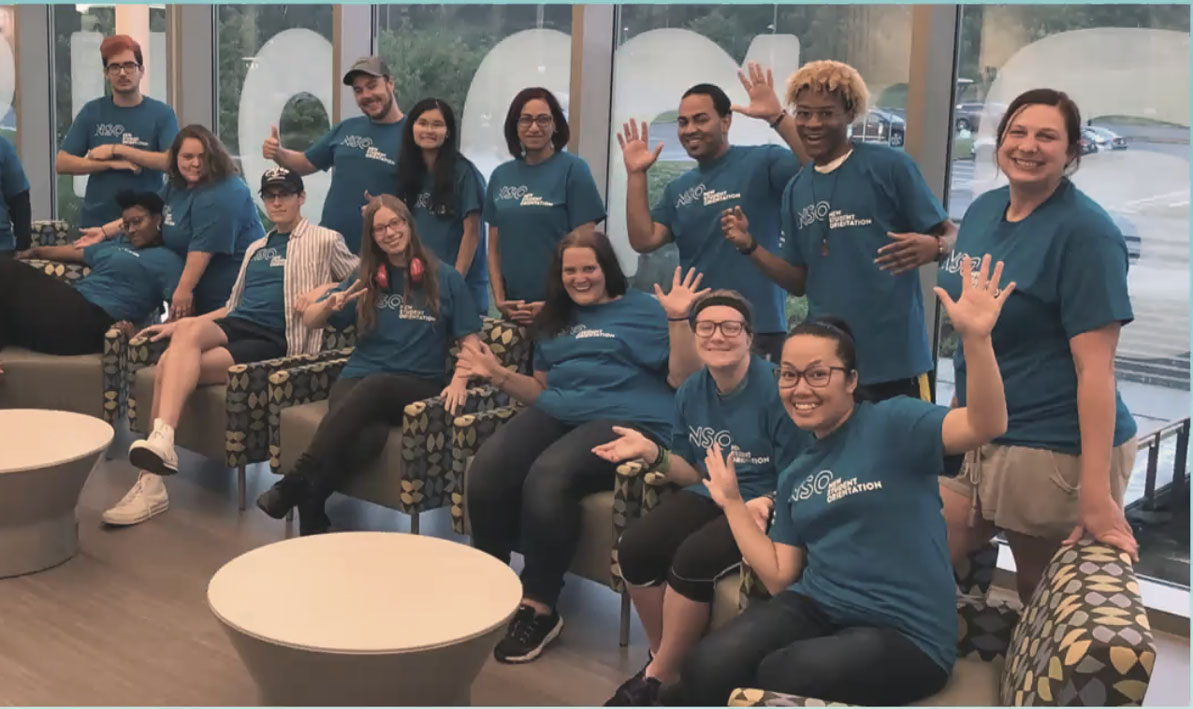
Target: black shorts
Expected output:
[250,342]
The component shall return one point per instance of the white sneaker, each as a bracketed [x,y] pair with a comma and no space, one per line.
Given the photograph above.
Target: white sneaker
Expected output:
[146,499]
[156,453]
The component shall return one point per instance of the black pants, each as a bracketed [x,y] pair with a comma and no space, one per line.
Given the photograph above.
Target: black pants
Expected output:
[787,644]
[769,345]
[360,413]
[685,541]
[41,313]
[524,491]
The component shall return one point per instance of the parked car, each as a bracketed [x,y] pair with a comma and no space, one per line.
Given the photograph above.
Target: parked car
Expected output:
[880,126]
[1104,138]
[969,115]
[1088,145]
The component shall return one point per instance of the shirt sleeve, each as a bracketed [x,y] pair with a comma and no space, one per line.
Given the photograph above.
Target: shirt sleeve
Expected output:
[489,209]
[464,318]
[663,211]
[13,173]
[78,135]
[322,153]
[343,261]
[470,191]
[584,203]
[914,426]
[782,166]
[655,350]
[789,235]
[213,224]
[91,253]
[921,210]
[539,361]
[783,530]
[1093,282]
[167,129]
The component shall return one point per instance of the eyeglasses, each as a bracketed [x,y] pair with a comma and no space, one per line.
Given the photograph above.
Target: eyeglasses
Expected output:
[134,223]
[728,328]
[270,196]
[540,121]
[392,225]
[125,68]
[817,376]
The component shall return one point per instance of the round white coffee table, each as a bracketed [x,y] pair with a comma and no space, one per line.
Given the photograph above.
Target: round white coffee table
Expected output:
[45,458]
[364,618]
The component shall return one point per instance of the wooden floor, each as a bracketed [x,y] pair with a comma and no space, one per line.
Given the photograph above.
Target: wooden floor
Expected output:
[126,621]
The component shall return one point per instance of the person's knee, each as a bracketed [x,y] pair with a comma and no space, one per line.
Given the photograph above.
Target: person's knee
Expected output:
[641,560]
[485,482]
[691,574]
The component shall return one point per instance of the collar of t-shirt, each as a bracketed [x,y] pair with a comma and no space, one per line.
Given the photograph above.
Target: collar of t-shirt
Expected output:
[825,169]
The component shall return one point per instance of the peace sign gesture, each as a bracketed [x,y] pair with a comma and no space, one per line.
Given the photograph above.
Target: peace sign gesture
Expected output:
[973,314]
[760,87]
[338,300]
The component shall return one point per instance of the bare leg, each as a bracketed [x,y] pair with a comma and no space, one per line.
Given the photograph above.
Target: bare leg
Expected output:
[196,356]
[684,622]
[1032,555]
[963,539]
[648,601]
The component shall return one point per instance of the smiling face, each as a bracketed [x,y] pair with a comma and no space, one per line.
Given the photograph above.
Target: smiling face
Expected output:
[124,72]
[1035,146]
[822,124]
[702,132]
[582,276]
[536,125]
[282,206]
[391,232]
[374,95]
[822,408]
[430,129]
[143,228]
[716,348]
[192,160]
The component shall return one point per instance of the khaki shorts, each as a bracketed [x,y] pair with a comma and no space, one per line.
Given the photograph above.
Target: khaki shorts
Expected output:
[1031,490]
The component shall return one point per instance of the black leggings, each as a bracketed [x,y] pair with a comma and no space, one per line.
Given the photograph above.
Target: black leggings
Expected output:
[41,313]
[360,413]
[787,644]
[524,491]
[685,541]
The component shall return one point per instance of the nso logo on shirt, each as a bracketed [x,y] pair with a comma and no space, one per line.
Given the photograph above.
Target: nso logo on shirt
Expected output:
[405,312]
[167,216]
[270,255]
[821,210]
[831,487]
[582,331]
[706,196]
[109,130]
[365,143]
[703,437]
[525,197]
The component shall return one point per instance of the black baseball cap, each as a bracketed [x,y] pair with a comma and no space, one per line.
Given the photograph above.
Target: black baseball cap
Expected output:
[288,180]
[373,66]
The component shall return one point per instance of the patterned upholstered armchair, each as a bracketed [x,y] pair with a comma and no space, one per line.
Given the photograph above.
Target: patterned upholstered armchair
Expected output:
[228,422]
[414,473]
[1083,640]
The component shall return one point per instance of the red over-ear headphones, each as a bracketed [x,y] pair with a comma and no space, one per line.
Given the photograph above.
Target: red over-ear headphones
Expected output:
[382,276]
[416,273]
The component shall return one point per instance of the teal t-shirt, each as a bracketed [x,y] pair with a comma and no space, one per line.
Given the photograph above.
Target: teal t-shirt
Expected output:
[864,502]
[263,300]
[611,364]
[533,207]
[407,338]
[749,421]
[129,283]
[444,232]
[1069,264]
[150,125]
[220,219]
[12,183]
[362,155]
[753,178]
[834,225]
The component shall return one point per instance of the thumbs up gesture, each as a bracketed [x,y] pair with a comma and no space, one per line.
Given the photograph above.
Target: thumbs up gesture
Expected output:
[272,146]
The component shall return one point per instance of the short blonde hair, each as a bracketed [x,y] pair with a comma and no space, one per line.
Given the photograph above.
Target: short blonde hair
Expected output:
[831,77]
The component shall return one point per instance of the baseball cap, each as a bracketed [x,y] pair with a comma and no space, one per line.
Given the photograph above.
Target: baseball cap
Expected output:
[281,177]
[373,66]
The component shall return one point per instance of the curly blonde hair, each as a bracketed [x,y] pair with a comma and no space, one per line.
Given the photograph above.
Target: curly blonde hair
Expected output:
[831,77]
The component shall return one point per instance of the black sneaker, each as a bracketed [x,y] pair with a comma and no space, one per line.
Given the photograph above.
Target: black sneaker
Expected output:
[285,494]
[528,634]
[637,691]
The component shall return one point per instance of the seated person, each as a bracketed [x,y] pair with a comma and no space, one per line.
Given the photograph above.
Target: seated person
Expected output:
[604,355]
[260,321]
[671,558]
[863,608]
[409,306]
[130,278]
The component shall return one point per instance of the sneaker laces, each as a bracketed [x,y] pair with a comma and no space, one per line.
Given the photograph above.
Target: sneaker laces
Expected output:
[137,490]
[524,625]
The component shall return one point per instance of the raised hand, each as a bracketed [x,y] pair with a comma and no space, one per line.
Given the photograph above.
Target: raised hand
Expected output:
[272,147]
[629,445]
[722,477]
[635,150]
[339,299]
[907,252]
[677,302]
[477,360]
[976,311]
[760,87]
[736,227]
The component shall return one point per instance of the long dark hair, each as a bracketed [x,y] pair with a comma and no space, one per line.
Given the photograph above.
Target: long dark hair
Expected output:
[412,170]
[562,133]
[218,164]
[558,310]
[1047,97]
[371,256]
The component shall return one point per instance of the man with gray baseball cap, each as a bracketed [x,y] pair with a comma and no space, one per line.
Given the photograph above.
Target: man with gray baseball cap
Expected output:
[362,149]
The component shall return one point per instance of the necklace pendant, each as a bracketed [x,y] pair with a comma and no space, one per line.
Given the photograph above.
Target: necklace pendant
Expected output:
[824,247]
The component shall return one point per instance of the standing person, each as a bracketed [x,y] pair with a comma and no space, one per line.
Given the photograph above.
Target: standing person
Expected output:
[749,178]
[119,141]
[855,229]
[1061,467]
[533,201]
[261,320]
[605,355]
[362,151]
[671,558]
[16,214]
[445,193]
[863,597]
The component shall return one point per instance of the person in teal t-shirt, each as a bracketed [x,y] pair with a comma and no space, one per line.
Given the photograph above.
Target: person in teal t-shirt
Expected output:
[16,226]
[855,227]
[362,152]
[671,558]
[747,178]
[533,201]
[445,192]
[863,598]
[604,356]
[118,141]
[1064,462]
[409,307]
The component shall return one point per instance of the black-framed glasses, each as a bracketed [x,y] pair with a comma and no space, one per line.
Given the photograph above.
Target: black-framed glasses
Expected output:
[391,226]
[126,68]
[728,328]
[817,376]
[540,121]
[134,223]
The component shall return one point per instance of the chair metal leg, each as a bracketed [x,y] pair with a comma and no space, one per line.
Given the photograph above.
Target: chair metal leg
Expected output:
[414,523]
[290,515]
[240,485]
[624,636]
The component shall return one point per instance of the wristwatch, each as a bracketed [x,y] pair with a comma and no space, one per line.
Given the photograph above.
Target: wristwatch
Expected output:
[749,249]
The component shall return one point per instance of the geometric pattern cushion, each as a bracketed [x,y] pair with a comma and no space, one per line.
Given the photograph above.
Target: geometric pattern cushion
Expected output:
[1084,638]
[50,232]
